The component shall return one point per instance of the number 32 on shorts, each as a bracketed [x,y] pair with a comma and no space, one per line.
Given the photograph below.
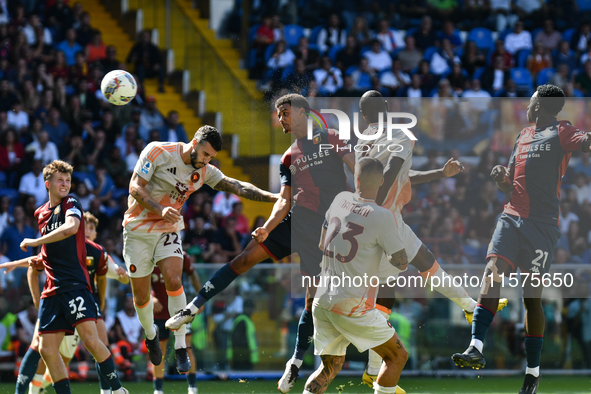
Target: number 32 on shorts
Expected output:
[77,308]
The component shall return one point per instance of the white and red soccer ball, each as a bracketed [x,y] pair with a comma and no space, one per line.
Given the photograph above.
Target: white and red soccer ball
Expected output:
[119,87]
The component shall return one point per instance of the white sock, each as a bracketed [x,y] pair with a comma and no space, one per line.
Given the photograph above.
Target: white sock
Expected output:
[455,293]
[307,392]
[157,392]
[120,391]
[192,308]
[36,384]
[175,304]
[377,389]
[105,391]
[477,343]
[193,390]
[47,381]
[533,371]
[145,314]
[296,362]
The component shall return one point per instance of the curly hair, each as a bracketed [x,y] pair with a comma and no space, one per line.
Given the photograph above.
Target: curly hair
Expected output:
[57,166]
[551,98]
[209,134]
[293,99]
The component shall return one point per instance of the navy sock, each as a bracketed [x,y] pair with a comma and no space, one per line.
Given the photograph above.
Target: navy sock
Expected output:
[158,384]
[218,282]
[27,371]
[192,379]
[481,322]
[102,380]
[107,369]
[305,334]
[533,350]
[62,387]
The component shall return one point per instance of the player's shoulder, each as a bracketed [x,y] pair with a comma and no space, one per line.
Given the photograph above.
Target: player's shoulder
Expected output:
[94,245]
[157,149]
[286,158]
[564,126]
[42,208]
[71,201]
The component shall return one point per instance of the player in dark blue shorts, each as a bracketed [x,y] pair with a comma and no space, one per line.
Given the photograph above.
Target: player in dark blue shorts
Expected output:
[527,231]
[66,300]
[313,191]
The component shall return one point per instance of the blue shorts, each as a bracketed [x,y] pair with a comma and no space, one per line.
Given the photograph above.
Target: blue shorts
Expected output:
[64,311]
[524,243]
[163,332]
[303,227]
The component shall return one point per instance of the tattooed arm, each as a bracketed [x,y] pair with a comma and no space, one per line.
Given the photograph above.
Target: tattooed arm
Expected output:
[318,382]
[245,189]
[399,260]
[137,189]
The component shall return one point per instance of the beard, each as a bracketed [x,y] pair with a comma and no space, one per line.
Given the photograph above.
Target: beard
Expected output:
[196,164]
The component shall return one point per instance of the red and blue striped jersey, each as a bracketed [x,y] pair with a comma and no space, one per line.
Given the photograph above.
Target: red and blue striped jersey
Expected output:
[538,163]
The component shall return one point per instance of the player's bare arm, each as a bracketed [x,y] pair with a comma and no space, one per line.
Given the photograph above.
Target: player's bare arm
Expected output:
[399,260]
[390,174]
[280,211]
[349,160]
[137,189]
[322,238]
[101,289]
[11,265]
[33,280]
[245,189]
[69,228]
[502,176]
[451,168]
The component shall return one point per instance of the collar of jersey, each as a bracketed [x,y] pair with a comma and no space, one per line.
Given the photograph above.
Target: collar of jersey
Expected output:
[545,126]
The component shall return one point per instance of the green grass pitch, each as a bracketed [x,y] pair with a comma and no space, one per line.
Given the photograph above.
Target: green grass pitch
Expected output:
[347,385]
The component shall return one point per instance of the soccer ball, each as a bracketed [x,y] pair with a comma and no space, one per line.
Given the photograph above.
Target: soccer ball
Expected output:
[119,87]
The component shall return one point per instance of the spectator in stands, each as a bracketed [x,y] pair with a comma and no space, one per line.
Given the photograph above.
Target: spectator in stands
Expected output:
[57,129]
[548,37]
[443,60]
[110,62]
[198,235]
[349,55]
[242,226]
[539,59]
[84,31]
[584,166]
[96,49]
[410,56]
[223,203]
[297,80]
[327,77]
[565,56]
[566,216]
[5,216]
[482,97]
[501,51]
[309,56]
[97,149]
[173,131]
[227,241]
[11,153]
[75,154]
[243,352]
[360,31]
[395,78]
[425,37]
[495,77]
[133,156]
[348,89]
[126,142]
[472,58]
[30,31]
[14,234]
[282,57]
[277,26]
[70,47]
[332,34]
[7,96]
[60,68]
[127,336]
[583,80]
[30,96]
[581,39]
[377,58]
[88,101]
[61,17]
[415,9]
[147,60]
[510,90]
[390,39]
[561,76]
[442,9]
[518,40]
[150,118]
[586,55]
[533,11]
[474,13]
[457,79]
[448,32]
[428,79]
[414,90]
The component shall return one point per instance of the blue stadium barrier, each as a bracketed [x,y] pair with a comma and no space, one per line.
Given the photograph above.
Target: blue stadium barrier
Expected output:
[482,37]
[522,77]
[292,34]
[544,75]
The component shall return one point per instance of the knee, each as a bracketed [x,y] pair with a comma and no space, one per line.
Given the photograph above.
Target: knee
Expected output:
[240,263]
[174,283]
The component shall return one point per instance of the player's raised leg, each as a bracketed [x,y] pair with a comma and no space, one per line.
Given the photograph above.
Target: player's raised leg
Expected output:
[144,307]
[488,302]
[172,270]
[394,355]
[329,368]
[253,254]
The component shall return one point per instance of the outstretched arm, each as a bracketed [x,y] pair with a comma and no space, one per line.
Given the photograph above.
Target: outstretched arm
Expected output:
[69,228]
[280,211]
[33,279]
[587,143]
[451,168]
[399,260]
[502,176]
[245,189]
[137,189]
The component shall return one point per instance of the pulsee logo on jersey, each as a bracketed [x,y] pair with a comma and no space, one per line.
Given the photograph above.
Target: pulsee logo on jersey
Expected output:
[385,124]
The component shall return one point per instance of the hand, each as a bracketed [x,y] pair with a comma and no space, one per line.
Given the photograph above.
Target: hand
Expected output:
[157,305]
[499,173]
[452,168]
[8,267]
[28,242]
[170,214]
[36,262]
[123,278]
[260,234]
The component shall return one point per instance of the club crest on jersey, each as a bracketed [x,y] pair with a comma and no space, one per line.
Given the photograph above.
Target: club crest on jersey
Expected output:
[146,168]
[89,260]
[316,139]
[57,210]
[181,188]
[195,177]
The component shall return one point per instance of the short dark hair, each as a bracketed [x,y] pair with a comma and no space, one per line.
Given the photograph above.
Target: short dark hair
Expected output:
[551,98]
[371,104]
[293,99]
[211,135]
[368,166]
